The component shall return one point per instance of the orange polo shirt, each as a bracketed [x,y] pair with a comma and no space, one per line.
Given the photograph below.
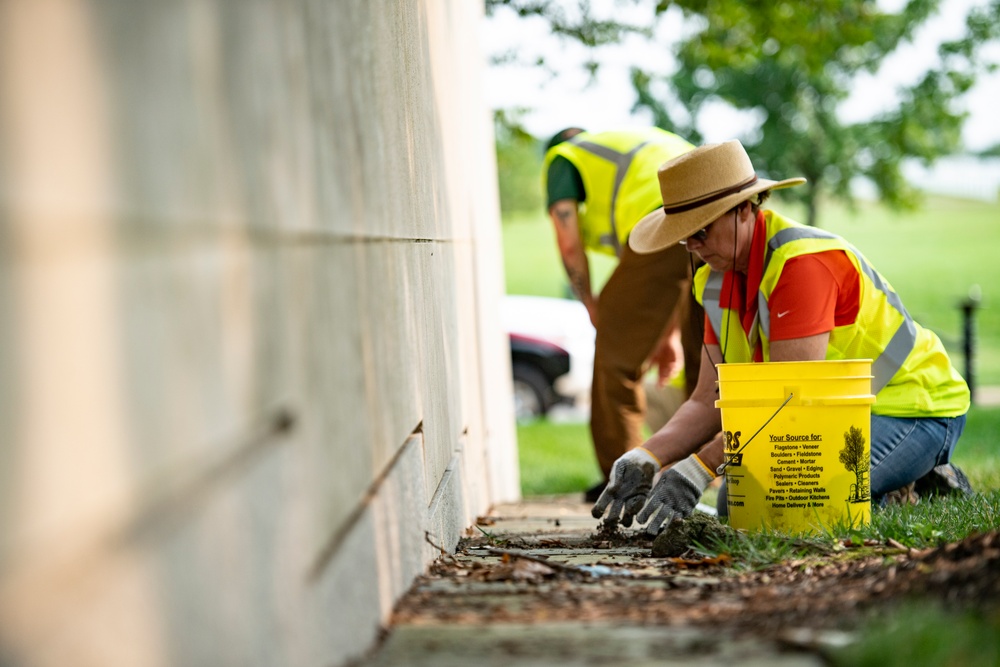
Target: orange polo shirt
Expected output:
[814,293]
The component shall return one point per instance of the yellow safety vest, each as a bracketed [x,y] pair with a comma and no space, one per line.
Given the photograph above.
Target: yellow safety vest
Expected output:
[913,376]
[619,172]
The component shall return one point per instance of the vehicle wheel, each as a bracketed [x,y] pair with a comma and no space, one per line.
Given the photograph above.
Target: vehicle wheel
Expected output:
[531,392]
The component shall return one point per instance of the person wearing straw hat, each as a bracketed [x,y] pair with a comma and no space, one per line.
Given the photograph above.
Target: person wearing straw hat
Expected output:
[599,185]
[776,290]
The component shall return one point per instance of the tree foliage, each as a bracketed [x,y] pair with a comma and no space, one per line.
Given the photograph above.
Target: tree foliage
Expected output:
[794,63]
[519,163]
[791,65]
[579,24]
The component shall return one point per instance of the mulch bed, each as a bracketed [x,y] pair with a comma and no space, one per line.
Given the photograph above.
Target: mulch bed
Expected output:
[833,592]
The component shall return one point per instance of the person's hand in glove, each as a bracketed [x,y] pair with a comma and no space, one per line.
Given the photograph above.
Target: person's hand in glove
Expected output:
[676,494]
[628,486]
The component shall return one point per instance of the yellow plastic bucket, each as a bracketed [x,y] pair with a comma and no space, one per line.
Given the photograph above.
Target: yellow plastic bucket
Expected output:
[797,438]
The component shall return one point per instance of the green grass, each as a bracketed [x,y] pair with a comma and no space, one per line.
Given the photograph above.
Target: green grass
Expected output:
[978,450]
[934,521]
[531,259]
[922,634]
[556,458]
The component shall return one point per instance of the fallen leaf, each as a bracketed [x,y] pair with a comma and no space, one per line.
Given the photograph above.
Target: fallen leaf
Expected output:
[552,544]
[519,570]
[721,559]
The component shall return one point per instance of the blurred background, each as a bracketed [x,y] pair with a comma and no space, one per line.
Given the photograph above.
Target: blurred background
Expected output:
[886,107]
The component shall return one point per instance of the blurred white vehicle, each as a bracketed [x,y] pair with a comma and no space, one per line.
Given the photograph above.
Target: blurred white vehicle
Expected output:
[552,353]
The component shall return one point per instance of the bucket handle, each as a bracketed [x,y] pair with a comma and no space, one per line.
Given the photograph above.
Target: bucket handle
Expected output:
[729,458]
[860,399]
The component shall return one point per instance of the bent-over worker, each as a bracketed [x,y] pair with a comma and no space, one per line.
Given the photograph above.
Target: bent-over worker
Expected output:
[599,185]
[776,290]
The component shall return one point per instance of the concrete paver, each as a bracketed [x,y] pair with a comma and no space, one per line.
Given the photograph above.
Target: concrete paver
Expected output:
[568,644]
[561,531]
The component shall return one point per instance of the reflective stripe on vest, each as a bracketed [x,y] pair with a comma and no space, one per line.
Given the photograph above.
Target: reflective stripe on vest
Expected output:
[891,358]
[900,345]
[712,294]
[619,173]
[621,162]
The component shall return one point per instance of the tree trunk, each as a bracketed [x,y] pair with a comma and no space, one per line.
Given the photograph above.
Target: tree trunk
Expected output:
[811,210]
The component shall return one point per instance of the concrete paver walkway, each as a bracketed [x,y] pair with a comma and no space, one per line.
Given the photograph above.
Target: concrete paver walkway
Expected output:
[481,608]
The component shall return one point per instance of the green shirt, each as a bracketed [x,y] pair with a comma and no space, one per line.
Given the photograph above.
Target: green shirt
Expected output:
[564,181]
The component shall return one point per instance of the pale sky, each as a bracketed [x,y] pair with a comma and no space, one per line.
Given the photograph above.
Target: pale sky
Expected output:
[567,99]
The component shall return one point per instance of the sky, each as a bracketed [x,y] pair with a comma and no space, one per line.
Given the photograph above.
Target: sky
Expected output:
[570,99]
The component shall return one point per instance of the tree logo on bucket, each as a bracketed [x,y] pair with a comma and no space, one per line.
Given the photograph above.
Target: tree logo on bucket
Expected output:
[856,459]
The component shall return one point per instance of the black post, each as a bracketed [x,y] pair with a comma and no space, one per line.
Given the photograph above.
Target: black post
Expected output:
[969,307]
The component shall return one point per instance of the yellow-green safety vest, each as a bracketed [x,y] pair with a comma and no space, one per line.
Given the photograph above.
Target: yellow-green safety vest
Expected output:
[619,172]
[912,374]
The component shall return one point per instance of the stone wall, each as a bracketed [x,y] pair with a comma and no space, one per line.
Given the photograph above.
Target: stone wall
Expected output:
[252,364]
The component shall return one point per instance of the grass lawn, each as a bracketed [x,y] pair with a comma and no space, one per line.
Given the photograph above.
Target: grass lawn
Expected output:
[556,458]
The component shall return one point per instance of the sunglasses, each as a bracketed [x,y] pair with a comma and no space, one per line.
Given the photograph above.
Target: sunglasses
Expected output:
[699,235]
[702,233]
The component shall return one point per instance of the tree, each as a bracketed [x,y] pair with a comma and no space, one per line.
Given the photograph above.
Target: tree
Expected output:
[791,65]
[580,24]
[519,164]
[519,154]
[856,459]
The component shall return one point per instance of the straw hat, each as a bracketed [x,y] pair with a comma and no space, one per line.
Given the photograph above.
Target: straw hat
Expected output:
[697,188]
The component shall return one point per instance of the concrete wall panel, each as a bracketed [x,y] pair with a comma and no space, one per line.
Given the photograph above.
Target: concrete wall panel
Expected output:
[437,350]
[393,299]
[248,324]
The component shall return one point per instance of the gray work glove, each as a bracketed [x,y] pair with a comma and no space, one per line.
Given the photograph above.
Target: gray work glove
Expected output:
[676,494]
[628,486]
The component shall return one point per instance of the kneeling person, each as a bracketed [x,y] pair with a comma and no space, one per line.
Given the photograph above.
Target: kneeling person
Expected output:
[776,290]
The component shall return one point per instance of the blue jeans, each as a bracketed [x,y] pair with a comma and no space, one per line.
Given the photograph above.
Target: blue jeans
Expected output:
[903,450]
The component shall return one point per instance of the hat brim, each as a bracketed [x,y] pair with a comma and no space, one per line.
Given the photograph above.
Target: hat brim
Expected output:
[660,230]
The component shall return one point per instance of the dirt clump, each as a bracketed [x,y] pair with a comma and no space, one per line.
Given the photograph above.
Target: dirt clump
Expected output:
[611,535]
[681,535]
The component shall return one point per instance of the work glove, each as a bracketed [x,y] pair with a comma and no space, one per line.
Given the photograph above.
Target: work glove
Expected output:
[628,486]
[676,494]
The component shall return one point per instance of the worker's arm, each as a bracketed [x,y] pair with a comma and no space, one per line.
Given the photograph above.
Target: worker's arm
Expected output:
[565,218]
[690,444]
[695,423]
[668,355]
[696,427]
[810,348]
[698,421]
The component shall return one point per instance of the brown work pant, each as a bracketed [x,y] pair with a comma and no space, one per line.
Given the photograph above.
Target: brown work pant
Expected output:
[634,307]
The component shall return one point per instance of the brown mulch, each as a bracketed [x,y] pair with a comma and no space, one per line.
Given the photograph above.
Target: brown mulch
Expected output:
[832,592]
